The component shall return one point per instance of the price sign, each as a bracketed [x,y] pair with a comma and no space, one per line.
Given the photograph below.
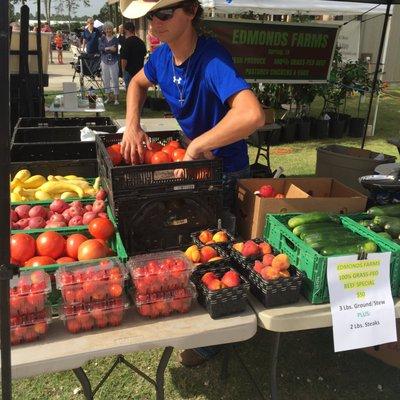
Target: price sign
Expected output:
[362,306]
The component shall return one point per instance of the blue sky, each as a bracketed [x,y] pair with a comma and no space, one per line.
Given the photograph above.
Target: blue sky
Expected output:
[94,8]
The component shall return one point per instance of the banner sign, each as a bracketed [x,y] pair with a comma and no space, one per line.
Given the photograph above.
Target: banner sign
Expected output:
[277,52]
[362,306]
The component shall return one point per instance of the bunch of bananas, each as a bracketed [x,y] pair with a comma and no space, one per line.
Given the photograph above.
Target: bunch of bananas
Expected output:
[27,187]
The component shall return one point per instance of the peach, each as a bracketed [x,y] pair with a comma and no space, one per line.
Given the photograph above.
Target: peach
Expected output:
[206,253]
[231,279]
[208,277]
[281,262]
[265,248]
[205,236]
[284,274]
[258,266]
[193,254]
[215,259]
[270,273]
[238,246]
[215,284]
[250,248]
[220,237]
[267,259]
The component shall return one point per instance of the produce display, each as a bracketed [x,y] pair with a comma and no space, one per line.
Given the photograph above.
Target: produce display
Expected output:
[209,236]
[163,304]
[267,191]
[90,283]
[158,154]
[95,315]
[27,187]
[59,214]
[202,254]
[229,279]
[159,272]
[384,220]
[328,236]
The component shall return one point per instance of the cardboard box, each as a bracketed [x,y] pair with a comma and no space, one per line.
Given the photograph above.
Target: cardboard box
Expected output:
[389,353]
[305,195]
[269,115]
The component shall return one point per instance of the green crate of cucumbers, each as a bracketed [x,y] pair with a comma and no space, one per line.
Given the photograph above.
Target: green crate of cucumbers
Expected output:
[309,239]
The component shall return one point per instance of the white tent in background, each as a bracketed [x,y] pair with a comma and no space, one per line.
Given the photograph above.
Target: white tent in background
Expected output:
[312,7]
[97,24]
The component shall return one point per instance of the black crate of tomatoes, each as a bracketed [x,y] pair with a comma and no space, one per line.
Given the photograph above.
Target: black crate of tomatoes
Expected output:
[159,281]
[29,314]
[221,290]
[163,169]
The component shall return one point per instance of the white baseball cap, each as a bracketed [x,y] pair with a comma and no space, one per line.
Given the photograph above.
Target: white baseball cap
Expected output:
[138,8]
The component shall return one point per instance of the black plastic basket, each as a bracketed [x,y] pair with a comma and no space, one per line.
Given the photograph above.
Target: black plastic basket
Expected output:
[38,122]
[85,168]
[155,178]
[222,302]
[55,134]
[164,221]
[53,151]
[226,260]
[240,258]
[277,292]
[224,246]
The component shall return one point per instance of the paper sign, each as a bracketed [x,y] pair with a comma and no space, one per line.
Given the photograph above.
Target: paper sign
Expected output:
[361,301]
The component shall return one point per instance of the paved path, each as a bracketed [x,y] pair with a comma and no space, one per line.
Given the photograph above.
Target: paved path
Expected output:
[60,73]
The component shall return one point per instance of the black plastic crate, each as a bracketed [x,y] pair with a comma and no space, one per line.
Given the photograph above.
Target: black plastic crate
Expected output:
[155,178]
[55,134]
[37,122]
[53,151]
[165,221]
[85,168]
[277,292]
[222,302]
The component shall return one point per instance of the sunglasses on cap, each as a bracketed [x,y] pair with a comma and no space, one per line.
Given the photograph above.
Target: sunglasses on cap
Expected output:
[164,14]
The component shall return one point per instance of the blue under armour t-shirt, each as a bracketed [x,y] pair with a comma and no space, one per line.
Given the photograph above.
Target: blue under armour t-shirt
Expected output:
[204,83]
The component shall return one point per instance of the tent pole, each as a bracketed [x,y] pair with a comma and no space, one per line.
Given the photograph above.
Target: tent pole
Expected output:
[377,68]
[6,272]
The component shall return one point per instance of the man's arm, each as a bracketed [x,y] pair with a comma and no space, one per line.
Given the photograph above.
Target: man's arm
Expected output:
[243,118]
[134,136]
[124,63]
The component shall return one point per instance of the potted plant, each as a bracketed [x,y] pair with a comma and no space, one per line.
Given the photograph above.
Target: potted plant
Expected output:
[303,95]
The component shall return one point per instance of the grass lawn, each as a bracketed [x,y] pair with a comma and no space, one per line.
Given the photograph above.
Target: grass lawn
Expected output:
[308,367]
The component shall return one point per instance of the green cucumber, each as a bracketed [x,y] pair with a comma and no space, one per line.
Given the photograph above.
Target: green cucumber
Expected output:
[392,210]
[308,218]
[367,246]
[364,222]
[319,245]
[384,219]
[313,227]
[327,235]
[393,228]
[375,227]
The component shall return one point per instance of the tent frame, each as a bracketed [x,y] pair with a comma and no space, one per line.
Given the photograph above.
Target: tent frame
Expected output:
[7,271]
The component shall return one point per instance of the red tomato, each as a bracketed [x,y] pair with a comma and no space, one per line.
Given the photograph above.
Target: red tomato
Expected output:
[39,260]
[147,156]
[174,143]
[169,150]
[178,155]
[65,260]
[73,243]
[114,152]
[160,157]
[115,290]
[22,247]
[50,244]
[101,228]
[156,147]
[92,249]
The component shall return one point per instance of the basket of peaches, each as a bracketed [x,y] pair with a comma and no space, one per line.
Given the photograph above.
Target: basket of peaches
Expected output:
[220,238]
[273,281]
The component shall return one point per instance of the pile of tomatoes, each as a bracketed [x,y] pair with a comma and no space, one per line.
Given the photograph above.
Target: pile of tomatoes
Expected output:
[159,275]
[155,305]
[51,247]
[87,316]
[158,154]
[28,313]
[91,283]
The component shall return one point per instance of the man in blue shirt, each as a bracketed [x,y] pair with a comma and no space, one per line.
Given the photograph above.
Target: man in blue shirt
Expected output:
[212,103]
[91,36]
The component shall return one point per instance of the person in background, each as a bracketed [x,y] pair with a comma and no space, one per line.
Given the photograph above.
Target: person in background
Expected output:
[108,47]
[90,38]
[47,29]
[121,36]
[58,41]
[133,53]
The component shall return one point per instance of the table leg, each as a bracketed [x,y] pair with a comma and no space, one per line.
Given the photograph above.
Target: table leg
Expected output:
[225,363]
[274,362]
[258,154]
[85,383]
[55,114]
[162,365]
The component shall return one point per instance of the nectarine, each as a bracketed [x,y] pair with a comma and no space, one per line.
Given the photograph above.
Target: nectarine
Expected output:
[193,254]
[205,236]
[281,262]
[270,273]
[250,248]
[220,237]
[231,279]
[206,253]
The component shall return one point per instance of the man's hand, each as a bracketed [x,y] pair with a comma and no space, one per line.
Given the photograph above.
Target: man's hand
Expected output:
[132,145]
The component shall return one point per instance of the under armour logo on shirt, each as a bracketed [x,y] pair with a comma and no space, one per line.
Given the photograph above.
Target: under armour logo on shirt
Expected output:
[177,80]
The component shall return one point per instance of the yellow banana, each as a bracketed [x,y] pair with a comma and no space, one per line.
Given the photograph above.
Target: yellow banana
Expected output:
[73,177]
[60,187]
[82,184]
[59,177]
[90,192]
[15,197]
[39,195]
[96,184]
[67,195]
[14,183]
[51,178]
[22,175]
[34,182]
